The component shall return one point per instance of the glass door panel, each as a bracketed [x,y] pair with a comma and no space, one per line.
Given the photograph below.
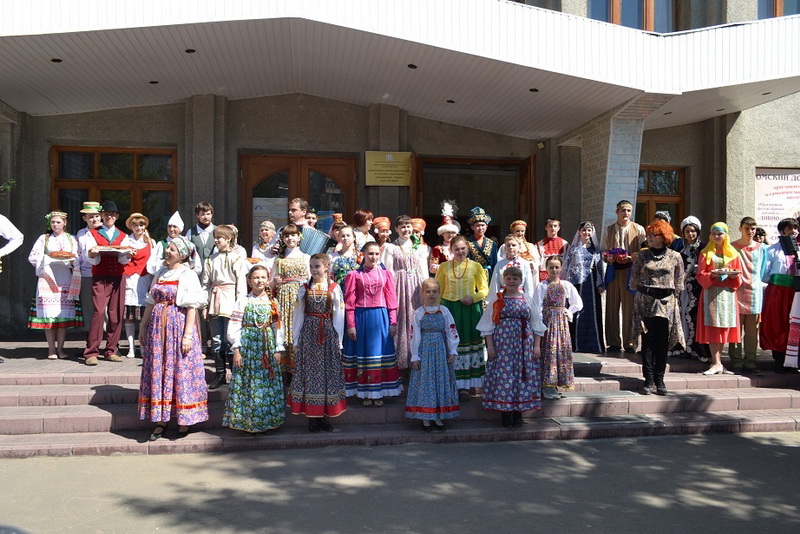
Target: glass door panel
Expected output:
[326,197]
[71,201]
[270,201]
[123,200]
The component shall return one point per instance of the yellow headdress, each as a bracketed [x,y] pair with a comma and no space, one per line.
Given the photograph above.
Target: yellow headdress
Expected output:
[728,252]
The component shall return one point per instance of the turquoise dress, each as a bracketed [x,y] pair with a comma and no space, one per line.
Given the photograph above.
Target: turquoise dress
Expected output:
[255,395]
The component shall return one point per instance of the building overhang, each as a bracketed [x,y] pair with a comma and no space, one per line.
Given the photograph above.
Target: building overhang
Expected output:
[493,65]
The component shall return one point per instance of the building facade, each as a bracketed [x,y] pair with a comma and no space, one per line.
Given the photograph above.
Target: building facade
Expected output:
[530,109]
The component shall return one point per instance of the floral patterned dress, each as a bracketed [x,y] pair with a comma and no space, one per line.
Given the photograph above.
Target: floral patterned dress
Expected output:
[172,383]
[340,266]
[513,379]
[317,388]
[557,369]
[408,267]
[432,392]
[293,273]
[255,395]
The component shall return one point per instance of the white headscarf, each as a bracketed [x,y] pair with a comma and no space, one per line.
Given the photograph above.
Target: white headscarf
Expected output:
[576,270]
[176,220]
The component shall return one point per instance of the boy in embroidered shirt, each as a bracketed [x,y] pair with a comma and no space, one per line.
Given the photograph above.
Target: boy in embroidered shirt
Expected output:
[225,280]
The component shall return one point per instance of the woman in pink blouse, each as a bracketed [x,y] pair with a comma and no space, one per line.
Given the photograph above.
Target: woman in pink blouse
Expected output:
[368,357]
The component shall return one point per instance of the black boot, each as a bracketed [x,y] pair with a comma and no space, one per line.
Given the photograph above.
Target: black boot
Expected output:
[507,419]
[516,419]
[219,372]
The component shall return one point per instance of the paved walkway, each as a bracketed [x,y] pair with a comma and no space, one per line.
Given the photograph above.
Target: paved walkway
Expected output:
[693,484]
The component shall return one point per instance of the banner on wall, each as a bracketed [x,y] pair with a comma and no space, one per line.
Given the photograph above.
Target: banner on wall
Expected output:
[777,197]
[388,168]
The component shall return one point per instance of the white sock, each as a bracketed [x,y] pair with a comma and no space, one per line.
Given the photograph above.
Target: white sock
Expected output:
[130,329]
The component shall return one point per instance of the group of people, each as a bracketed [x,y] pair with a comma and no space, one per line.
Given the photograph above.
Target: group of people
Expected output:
[309,318]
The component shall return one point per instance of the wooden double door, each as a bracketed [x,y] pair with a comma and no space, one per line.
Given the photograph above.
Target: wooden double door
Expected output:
[268,182]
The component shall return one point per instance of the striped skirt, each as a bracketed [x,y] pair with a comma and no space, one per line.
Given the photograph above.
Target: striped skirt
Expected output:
[370,364]
[470,364]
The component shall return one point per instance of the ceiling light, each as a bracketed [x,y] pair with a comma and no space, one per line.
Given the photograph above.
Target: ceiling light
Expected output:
[721,109]
[190,50]
[451,101]
[767,93]
[411,66]
[56,60]
[153,82]
[533,90]
[668,113]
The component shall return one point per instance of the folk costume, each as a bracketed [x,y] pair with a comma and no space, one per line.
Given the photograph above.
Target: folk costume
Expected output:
[137,279]
[370,365]
[341,264]
[87,308]
[442,253]
[513,377]
[432,392]
[778,297]
[108,288]
[408,261]
[172,382]
[457,280]
[689,299]
[558,302]
[58,286]
[224,279]
[13,238]
[157,254]
[529,281]
[657,277]
[550,246]
[718,314]
[483,251]
[255,400]
[317,388]
[585,269]
[750,298]
[289,273]
[628,238]
[527,251]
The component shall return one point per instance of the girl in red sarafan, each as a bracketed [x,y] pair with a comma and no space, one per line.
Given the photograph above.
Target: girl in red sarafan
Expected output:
[317,389]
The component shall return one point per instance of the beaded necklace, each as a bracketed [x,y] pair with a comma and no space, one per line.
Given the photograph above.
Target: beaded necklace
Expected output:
[453,269]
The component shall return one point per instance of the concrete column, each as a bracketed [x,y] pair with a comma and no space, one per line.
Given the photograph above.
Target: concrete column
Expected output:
[204,160]
[387,132]
[13,304]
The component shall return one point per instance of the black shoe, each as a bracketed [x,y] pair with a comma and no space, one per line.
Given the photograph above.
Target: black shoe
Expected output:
[313,424]
[426,428]
[158,432]
[661,389]
[439,427]
[183,433]
[614,348]
[752,371]
[325,425]
[507,419]
[630,350]
[516,419]
[790,371]
[649,389]
[219,381]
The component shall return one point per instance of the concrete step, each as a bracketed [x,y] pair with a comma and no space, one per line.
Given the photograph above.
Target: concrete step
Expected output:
[126,393]
[219,440]
[123,417]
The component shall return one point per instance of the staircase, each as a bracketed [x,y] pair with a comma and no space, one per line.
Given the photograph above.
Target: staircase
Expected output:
[63,408]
